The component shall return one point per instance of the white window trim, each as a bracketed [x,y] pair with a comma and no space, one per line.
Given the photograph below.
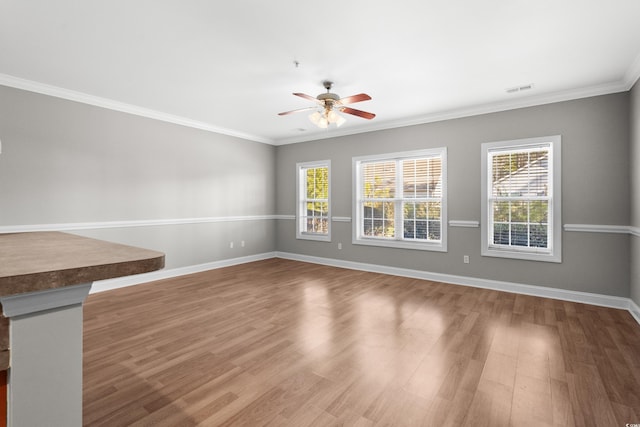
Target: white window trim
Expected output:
[359,239]
[301,209]
[555,225]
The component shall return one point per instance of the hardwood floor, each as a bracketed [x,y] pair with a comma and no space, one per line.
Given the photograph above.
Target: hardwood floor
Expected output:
[285,343]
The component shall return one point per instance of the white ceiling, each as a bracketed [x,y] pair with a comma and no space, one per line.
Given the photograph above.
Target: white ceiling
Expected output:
[229,66]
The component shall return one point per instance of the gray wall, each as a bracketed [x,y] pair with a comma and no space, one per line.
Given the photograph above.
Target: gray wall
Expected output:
[595,185]
[635,191]
[67,162]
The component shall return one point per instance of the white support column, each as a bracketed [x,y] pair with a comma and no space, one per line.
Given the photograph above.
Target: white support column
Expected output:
[45,374]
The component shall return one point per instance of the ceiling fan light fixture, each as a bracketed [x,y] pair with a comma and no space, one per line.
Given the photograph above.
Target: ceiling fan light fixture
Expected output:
[319,120]
[336,118]
[315,117]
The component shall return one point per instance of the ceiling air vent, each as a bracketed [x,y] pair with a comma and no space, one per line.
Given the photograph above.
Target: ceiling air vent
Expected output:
[519,88]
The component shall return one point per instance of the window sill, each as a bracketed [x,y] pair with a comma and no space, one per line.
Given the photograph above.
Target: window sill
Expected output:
[421,246]
[523,255]
[316,237]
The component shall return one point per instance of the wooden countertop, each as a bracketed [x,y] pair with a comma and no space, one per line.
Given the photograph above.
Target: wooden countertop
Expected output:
[37,261]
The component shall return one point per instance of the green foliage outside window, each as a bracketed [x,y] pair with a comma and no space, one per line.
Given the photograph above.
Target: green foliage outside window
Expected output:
[317,200]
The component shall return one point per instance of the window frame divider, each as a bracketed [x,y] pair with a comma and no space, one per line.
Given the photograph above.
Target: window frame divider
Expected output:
[358,202]
[554,252]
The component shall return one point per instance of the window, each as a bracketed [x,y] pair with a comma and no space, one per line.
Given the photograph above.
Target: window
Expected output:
[521,199]
[400,200]
[313,189]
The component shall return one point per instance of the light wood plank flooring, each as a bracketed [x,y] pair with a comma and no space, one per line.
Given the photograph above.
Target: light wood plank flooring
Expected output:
[284,343]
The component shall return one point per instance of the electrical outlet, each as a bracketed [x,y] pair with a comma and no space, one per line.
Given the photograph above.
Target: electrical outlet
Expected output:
[242,243]
[231,245]
[339,246]
[465,259]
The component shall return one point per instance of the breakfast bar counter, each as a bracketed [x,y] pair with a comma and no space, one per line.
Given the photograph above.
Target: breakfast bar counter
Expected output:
[44,280]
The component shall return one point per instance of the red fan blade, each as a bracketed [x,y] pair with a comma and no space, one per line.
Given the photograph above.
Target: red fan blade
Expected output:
[309,97]
[358,113]
[297,111]
[354,98]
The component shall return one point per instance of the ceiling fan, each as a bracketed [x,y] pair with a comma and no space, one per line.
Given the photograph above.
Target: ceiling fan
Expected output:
[328,105]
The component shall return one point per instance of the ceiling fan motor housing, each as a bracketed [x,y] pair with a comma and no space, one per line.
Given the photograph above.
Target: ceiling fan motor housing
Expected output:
[328,99]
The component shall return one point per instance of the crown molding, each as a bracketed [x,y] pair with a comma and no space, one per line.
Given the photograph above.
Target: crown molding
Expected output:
[633,73]
[110,104]
[630,77]
[493,107]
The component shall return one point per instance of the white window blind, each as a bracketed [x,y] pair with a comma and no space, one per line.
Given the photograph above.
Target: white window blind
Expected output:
[521,199]
[378,207]
[422,190]
[400,200]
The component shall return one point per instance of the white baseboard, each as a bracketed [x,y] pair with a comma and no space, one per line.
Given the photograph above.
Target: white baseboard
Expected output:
[517,288]
[634,310]
[122,282]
